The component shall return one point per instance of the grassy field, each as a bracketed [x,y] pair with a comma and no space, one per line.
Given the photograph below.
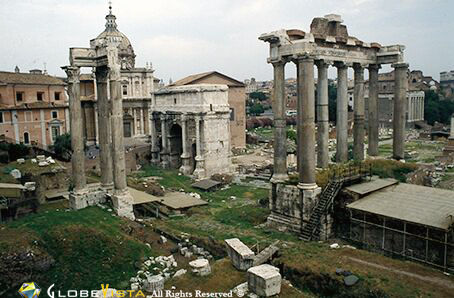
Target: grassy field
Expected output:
[90,247]
[315,263]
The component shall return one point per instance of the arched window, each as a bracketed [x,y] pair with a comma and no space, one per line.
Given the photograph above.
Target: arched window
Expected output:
[26,138]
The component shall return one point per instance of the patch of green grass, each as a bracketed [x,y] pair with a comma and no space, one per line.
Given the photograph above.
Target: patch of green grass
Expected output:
[243,217]
[89,247]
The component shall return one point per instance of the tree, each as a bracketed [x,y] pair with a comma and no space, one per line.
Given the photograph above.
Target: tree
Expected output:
[258,95]
[256,109]
[332,98]
[436,110]
[62,145]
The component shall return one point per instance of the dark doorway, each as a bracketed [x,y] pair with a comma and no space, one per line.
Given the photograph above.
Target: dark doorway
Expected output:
[176,147]
[193,154]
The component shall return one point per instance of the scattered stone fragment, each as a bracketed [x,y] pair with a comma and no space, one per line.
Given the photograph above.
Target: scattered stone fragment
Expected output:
[334,245]
[16,173]
[162,239]
[180,272]
[350,280]
[20,161]
[200,267]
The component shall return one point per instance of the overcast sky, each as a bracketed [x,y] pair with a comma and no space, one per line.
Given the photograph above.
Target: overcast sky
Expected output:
[183,37]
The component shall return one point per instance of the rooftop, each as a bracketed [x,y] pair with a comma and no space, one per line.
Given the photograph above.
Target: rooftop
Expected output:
[29,78]
[193,79]
[412,203]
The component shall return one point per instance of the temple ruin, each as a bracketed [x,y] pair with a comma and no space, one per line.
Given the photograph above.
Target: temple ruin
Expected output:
[106,55]
[327,43]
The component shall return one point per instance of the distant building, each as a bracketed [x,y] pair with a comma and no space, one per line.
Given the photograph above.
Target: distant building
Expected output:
[250,85]
[417,85]
[447,83]
[236,99]
[33,108]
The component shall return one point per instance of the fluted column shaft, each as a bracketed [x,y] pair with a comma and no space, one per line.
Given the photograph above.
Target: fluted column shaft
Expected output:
[185,166]
[280,132]
[104,127]
[118,148]
[400,94]
[358,127]
[342,114]
[322,115]
[164,149]
[306,122]
[77,134]
[373,110]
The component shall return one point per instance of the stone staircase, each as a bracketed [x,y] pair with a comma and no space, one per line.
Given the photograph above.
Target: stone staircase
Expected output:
[342,177]
[327,196]
[266,254]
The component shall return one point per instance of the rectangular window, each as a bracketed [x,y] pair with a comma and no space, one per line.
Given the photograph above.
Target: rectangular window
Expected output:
[40,96]
[29,116]
[232,114]
[57,96]
[54,114]
[1,117]
[19,96]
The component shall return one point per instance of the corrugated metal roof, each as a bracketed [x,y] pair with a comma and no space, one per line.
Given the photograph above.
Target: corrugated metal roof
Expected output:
[412,203]
[371,186]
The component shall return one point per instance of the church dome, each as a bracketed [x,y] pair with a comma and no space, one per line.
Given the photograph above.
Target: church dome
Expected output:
[112,34]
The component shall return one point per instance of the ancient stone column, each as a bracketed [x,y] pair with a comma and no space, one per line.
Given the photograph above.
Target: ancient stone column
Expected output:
[77,134]
[306,122]
[165,163]
[185,168]
[358,127]
[153,137]
[322,115]
[118,148]
[104,127]
[400,94]
[280,130]
[373,110]
[199,171]
[342,113]
[451,135]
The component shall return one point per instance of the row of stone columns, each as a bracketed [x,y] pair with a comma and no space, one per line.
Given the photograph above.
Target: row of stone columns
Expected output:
[306,116]
[110,117]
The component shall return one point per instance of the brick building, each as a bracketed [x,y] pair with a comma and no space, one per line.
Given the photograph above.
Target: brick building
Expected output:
[33,108]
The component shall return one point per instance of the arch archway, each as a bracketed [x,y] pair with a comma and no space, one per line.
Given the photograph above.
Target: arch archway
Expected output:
[176,146]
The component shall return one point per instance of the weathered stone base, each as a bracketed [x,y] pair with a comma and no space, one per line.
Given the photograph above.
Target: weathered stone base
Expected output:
[283,223]
[91,195]
[291,207]
[123,204]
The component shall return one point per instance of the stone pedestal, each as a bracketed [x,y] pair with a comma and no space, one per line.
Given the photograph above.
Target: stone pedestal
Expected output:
[91,195]
[291,206]
[200,267]
[123,204]
[264,280]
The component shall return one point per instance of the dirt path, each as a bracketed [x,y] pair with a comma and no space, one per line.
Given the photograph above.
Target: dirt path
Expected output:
[434,280]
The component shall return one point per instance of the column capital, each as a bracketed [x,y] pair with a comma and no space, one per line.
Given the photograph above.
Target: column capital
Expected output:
[340,64]
[163,117]
[374,67]
[323,63]
[400,65]
[183,117]
[359,66]
[302,57]
[278,62]
[101,74]
[73,73]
